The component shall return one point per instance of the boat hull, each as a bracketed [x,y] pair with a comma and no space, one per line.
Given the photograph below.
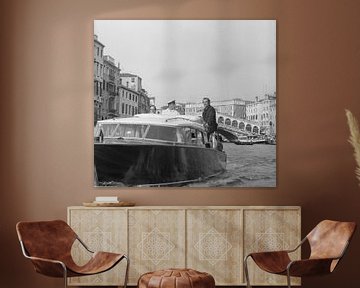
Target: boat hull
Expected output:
[155,165]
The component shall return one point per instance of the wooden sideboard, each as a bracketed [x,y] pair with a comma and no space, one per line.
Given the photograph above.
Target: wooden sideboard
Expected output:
[212,239]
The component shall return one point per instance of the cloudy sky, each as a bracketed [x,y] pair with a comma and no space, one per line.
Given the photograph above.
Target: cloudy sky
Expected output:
[187,60]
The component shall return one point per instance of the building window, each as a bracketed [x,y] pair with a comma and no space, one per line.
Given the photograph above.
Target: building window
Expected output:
[126,109]
[132,79]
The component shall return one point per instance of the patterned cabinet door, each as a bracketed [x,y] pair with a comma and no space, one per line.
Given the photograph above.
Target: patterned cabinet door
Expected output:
[101,230]
[214,244]
[156,240]
[270,230]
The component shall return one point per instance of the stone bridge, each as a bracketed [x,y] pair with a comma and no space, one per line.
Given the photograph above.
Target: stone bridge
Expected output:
[240,125]
[231,127]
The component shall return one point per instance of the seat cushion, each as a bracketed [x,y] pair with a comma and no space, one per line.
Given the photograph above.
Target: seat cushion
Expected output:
[176,278]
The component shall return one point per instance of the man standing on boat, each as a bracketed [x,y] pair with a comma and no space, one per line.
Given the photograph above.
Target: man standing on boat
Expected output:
[209,117]
[170,111]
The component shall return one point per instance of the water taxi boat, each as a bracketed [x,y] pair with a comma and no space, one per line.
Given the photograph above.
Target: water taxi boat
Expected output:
[154,150]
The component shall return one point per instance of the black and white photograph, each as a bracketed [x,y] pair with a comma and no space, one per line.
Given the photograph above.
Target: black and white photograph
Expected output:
[187,103]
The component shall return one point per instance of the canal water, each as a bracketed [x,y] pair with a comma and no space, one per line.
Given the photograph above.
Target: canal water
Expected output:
[247,166]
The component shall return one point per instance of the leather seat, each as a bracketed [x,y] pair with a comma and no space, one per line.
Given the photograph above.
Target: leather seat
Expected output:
[328,242]
[48,245]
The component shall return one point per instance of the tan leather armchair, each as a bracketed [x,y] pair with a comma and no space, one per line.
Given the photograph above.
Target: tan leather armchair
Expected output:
[328,242]
[48,245]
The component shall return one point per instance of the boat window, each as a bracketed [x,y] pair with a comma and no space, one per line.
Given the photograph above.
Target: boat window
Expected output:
[97,130]
[193,136]
[163,133]
[130,130]
[189,135]
[200,137]
[107,129]
[120,130]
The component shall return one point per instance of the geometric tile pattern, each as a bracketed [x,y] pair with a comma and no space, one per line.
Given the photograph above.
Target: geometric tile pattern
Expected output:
[156,246]
[269,240]
[156,241]
[98,240]
[214,243]
[213,246]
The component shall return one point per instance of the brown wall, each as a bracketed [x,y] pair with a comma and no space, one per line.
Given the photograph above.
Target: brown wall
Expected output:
[46,115]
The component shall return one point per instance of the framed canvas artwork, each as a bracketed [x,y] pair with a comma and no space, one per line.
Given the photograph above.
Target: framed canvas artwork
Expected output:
[185,103]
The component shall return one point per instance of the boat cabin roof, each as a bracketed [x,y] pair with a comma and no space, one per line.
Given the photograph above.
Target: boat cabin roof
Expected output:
[160,120]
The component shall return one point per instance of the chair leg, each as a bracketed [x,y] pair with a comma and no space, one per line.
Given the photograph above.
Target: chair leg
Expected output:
[246,272]
[65,275]
[127,271]
[288,278]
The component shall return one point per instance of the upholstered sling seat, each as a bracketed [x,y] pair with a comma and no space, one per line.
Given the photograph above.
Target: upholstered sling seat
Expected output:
[328,242]
[48,245]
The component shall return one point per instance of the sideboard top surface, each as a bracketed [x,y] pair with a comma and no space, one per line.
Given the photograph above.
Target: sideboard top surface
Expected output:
[193,207]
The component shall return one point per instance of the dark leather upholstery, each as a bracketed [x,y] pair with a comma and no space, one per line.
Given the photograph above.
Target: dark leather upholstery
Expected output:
[176,278]
[328,242]
[53,240]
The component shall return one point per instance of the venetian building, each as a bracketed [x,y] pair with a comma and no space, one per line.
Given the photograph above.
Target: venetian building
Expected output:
[98,78]
[135,98]
[263,112]
[129,102]
[111,83]
[131,81]
[144,102]
[234,108]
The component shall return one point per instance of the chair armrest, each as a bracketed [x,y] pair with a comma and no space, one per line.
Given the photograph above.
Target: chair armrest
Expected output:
[84,245]
[309,267]
[281,251]
[47,260]
[298,246]
[48,267]
[268,253]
